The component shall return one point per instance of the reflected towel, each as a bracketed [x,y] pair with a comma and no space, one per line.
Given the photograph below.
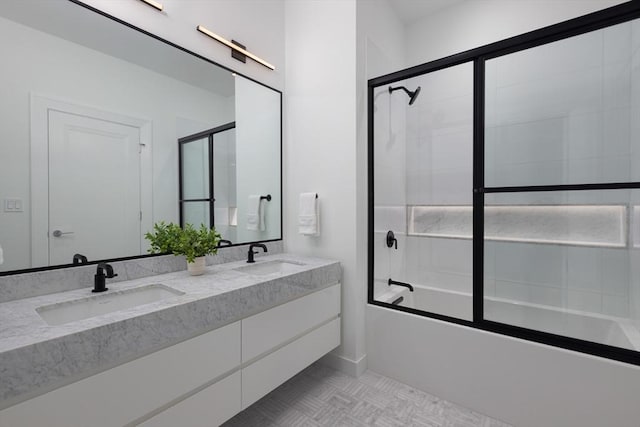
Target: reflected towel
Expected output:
[255,214]
[233,216]
[308,215]
[1,256]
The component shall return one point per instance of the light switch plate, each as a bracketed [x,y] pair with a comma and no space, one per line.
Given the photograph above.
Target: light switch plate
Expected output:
[13,205]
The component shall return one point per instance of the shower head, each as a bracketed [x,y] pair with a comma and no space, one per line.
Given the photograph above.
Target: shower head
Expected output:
[412,95]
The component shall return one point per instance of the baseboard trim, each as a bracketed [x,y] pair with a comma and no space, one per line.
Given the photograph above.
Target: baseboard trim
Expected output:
[354,368]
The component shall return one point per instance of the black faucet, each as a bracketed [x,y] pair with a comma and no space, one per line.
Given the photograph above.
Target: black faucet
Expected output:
[99,279]
[251,253]
[225,241]
[79,259]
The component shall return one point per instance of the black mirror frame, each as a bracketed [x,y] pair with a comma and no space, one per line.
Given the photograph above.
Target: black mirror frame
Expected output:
[183,49]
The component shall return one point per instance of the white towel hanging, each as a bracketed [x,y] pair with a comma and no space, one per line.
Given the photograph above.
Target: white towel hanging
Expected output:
[255,214]
[309,218]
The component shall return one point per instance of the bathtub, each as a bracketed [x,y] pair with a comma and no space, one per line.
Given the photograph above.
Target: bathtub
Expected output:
[603,329]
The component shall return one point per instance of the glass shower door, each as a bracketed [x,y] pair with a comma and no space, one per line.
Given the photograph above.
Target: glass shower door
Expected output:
[562,154]
[423,181]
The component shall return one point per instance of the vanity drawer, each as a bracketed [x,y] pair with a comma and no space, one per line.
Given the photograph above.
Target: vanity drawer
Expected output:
[127,392]
[269,329]
[264,375]
[210,407]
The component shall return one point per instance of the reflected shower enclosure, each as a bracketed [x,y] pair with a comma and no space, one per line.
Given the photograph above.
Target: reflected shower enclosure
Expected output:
[208,180]
[511,185]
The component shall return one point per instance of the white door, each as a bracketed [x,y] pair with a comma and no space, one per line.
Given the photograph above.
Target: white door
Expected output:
[94,188]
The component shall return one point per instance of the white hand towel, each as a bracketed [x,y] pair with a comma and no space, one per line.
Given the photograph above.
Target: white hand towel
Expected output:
[233,216]
[308,219]
[255,214]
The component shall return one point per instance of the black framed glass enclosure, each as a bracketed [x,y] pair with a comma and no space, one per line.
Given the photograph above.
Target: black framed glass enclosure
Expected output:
[504,186]
[207,172]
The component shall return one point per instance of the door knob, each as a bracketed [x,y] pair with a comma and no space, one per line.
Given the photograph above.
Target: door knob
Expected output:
[60,233]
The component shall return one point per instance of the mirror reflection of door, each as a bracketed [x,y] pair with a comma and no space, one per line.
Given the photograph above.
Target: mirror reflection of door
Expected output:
[94,207]
[208,180]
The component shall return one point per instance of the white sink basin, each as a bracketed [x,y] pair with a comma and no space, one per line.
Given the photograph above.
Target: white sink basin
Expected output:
[270,267]
[109,302]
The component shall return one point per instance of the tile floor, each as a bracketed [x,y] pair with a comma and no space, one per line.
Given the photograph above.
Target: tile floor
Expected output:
[321,396]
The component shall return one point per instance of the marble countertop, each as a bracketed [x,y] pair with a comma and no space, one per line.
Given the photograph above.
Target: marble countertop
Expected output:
[36,357]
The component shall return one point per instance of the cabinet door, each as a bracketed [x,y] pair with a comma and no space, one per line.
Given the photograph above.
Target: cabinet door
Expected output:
[210,407]
[268,330]
[265,374]
[130,391]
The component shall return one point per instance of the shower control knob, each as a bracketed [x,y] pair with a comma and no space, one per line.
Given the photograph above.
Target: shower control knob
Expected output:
[391,240]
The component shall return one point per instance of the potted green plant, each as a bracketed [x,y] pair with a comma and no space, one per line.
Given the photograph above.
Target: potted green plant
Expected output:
[193,243]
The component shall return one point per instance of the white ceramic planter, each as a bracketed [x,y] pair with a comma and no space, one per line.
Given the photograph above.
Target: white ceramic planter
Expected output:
[196,268]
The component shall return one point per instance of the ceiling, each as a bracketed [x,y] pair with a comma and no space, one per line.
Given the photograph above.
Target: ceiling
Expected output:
[410,11]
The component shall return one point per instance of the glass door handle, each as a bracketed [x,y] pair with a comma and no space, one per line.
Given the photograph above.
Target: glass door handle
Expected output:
[60,233]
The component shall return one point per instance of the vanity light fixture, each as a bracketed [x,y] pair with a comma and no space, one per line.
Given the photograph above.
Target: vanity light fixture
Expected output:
[153,4]
[237,50]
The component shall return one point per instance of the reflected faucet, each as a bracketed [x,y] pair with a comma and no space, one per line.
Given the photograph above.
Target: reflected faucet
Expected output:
[99,280]
[79,259]
[225,241]
[250,259]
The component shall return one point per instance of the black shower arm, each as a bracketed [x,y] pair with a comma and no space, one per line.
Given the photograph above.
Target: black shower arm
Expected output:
[391,89]
[406,285]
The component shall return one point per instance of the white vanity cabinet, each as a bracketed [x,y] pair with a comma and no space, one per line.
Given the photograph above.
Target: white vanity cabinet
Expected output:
[279,343]
[202,381]
[129,391]
[210,407]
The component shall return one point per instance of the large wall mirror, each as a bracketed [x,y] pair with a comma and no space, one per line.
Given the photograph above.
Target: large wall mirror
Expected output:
[92,112]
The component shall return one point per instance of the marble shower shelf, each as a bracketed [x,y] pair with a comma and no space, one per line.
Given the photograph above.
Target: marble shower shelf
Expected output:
[578,225]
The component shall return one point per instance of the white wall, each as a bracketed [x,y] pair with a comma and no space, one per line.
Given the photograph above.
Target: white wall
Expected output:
[320,153]
[258,24]
[520,382]
[71,72]
[471,24]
